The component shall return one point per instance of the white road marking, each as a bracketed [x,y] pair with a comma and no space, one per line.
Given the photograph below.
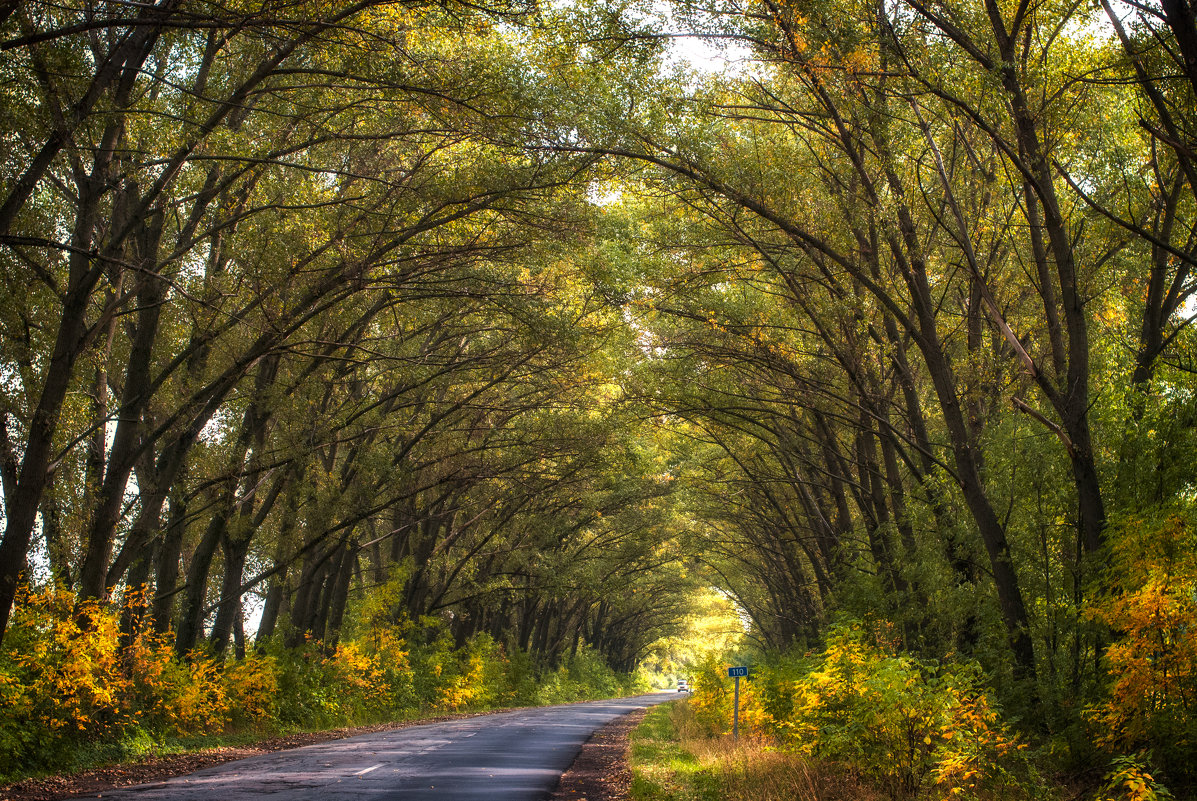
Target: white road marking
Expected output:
[367,770]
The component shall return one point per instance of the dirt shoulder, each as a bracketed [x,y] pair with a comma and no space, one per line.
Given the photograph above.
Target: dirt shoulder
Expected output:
[601,771]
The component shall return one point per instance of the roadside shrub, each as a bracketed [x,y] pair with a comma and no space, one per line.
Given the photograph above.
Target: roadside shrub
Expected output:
[58,681]
[306,695]
[900,720]
[355,670]
[913,727]
[66,680]
[478,676]
[713,701]
[200,701]
[71,691]
[1149,604]
[394,663]
[252,690]
[522,680]
[435,665]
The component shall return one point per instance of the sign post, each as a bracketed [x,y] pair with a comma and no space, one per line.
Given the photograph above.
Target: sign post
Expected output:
[736,673]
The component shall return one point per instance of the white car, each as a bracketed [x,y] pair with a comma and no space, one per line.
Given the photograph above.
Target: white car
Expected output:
[682,687]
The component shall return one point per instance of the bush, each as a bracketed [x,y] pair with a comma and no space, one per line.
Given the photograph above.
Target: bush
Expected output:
[362,680]
[66,680]
[1129,780]
[580,678]
[478,678]
[252,690]
[713,699]
[70,691]
[1149,603]
[911,726]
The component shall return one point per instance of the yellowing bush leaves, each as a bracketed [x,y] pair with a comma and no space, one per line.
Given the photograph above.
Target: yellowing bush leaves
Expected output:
[68,678]
[914,727]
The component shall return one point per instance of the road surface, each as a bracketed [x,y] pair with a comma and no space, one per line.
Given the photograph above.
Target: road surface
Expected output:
[509,756]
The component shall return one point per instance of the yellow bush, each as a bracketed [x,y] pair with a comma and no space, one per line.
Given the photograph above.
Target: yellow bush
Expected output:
[480,676]
[463,688]
[900,720]
[64,674]
[251,687]
[713,701]
[359,673]
[199,702]
[1150,605]
[64,669]
[911,726]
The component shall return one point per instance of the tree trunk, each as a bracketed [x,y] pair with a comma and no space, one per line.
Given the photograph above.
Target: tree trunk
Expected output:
[191,616]
[22,506]
[166,577]
[228,606]
[127,441]
[339,596]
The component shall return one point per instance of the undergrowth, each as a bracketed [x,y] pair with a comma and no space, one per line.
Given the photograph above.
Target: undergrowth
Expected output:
[857,721]
[672,759]
[74,696]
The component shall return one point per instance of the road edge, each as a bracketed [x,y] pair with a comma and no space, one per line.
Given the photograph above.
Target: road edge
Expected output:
[601,770]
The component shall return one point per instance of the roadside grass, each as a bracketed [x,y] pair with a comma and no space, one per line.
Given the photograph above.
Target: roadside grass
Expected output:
[136,746]
[672,760]
[662,768]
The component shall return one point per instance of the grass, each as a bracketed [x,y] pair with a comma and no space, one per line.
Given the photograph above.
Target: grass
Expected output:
[138,746]
[135,745]
[662,769]
[672,761]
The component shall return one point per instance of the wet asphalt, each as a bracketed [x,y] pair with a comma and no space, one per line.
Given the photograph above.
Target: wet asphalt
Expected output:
[509,756]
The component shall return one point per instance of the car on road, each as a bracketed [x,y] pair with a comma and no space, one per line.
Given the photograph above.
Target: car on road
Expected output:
[682,686]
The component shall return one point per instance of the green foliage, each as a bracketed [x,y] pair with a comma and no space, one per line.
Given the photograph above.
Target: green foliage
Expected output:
[585,676]
[1129,780]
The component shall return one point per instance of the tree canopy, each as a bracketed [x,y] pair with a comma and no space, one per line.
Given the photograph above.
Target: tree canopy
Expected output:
[498,319]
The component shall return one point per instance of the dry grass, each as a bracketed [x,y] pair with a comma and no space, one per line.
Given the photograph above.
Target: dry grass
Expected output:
[751,770]
[672,760]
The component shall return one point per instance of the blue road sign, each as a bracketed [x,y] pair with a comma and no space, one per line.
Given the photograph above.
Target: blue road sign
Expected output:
[736,672]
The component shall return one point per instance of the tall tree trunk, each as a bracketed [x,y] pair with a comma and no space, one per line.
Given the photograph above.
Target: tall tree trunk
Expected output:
[166,576]
[127,441]
[339,595]
[228,607]
[191,615]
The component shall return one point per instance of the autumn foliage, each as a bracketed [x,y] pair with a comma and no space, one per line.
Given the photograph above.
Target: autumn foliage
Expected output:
[914,728]
[72,691]
[1150,608]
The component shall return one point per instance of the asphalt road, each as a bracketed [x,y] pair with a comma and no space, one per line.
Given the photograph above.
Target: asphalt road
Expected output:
[509,756]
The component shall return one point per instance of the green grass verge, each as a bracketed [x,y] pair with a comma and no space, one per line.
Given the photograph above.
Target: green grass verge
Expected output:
[673,760]
[662,770]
